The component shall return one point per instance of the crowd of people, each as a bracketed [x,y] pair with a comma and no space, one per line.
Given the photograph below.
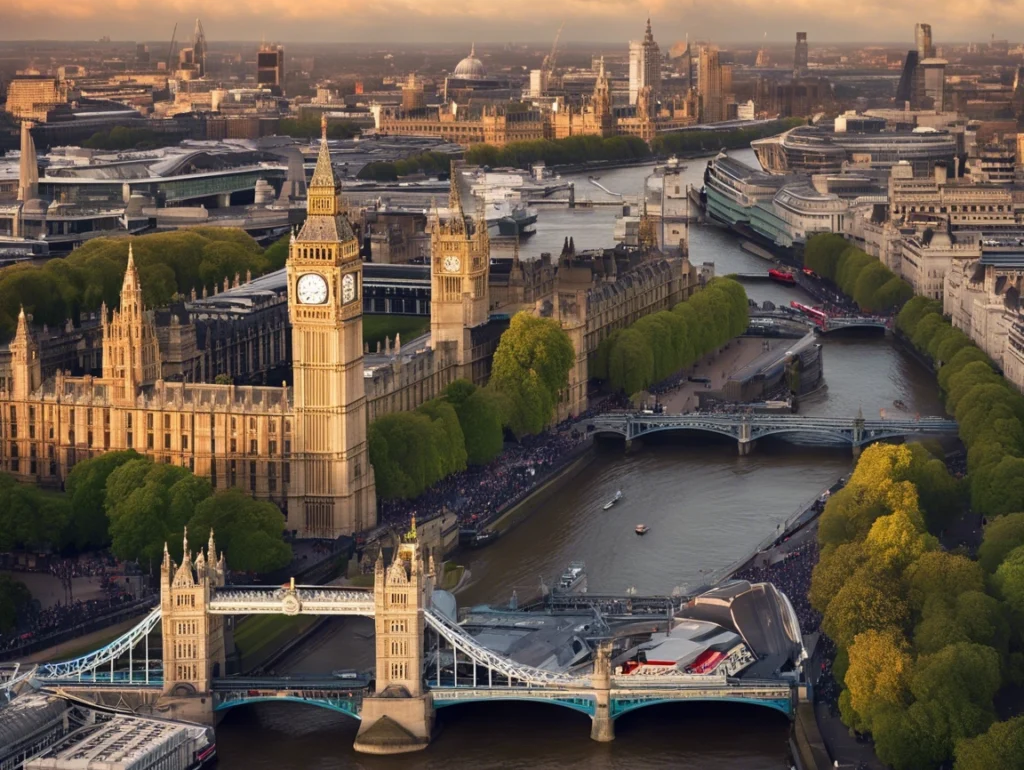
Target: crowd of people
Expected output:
[37,622]
[475,495]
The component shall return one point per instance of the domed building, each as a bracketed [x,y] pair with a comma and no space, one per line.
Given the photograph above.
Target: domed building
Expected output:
[470,68]
[469,77]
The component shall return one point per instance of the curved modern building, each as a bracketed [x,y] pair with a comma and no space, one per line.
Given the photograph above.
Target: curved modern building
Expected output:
[781,211]
[860,140]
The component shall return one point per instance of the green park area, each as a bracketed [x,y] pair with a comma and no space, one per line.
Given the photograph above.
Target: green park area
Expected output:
[377,327]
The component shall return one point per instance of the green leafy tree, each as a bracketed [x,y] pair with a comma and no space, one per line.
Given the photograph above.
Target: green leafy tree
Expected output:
[912,313]
[958,683]
[942,573]
[249,531]
[139,505]
[998,489]
[1002,536]
[87,488]
[967,355]
[479,413]
[913,739]
[31,520]
[531,367]
[14,598]
[450,441]
[1001,746]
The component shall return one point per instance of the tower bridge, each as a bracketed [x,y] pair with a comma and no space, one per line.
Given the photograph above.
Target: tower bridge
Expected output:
[856,432]
[424,659]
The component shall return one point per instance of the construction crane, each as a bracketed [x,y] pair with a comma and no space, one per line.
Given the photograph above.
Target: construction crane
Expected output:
[170,51]
[548,66]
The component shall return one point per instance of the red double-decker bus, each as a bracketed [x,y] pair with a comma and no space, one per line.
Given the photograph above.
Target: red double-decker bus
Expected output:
[816,315]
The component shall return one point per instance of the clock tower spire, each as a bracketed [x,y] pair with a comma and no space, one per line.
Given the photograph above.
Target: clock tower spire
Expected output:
[460,264]
[331,489]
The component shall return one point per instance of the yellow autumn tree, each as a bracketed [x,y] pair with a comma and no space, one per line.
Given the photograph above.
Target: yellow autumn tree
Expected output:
[879,674]
[868,600]
[897,540]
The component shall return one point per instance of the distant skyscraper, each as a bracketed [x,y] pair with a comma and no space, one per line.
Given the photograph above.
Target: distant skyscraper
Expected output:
[800,54]
[709,84]
[923,40]
[142,54]
[644,65]
[28,173]
[270,66]
[199,49]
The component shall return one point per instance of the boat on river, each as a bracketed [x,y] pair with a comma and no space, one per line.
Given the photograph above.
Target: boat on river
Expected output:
[899,404]
[611,503]
[574,578]
[642,529]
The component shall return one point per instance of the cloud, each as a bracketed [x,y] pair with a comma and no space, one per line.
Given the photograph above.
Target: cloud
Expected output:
[604,20]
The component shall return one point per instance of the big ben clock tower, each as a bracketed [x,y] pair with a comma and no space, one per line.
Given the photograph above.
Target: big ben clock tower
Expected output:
[460,263]
[331,491]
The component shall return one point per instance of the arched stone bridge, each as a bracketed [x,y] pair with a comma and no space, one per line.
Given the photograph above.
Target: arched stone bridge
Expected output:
[747,429]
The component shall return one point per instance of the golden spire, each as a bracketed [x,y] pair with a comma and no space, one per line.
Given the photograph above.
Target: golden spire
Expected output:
[22,332]
[457,218]
[410,536]
[323,174]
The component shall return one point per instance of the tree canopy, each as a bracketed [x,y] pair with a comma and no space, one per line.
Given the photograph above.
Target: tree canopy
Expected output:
[531,370]
[658,345]
[556,152]
[168,264]
[988,410]
[924,639]
[703,141]
[14,597]
[869,283]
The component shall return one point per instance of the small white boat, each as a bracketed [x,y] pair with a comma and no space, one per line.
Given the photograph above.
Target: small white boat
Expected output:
[574,578]
[642,529]
[610,503]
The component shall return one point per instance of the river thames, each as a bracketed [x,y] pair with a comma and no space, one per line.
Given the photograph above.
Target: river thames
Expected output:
[707,508]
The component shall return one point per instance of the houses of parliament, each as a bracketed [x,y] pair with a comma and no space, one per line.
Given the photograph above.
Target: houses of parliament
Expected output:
[303,444]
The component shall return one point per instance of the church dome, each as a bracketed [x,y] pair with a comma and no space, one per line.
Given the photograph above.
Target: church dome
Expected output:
[470,67]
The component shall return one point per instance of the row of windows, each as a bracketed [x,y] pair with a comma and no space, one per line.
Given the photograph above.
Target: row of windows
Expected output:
[185,650]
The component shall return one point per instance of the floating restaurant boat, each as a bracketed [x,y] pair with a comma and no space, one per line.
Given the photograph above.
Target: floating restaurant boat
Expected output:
[782,276]
[642,529]
[610,503]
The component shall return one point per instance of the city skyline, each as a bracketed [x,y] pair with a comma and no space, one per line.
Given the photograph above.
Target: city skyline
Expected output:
[596,21]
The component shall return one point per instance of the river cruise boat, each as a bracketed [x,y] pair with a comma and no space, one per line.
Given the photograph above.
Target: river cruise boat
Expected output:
[611,503]
[574,578]
[642,529]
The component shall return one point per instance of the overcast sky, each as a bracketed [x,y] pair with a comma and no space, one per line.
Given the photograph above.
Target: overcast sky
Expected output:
[408,21]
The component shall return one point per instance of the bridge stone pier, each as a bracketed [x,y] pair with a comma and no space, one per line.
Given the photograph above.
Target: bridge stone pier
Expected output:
[602,726]
[399,716]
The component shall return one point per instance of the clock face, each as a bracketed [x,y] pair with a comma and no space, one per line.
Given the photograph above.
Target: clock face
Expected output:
[348,288]
[311,289]
[452,264]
